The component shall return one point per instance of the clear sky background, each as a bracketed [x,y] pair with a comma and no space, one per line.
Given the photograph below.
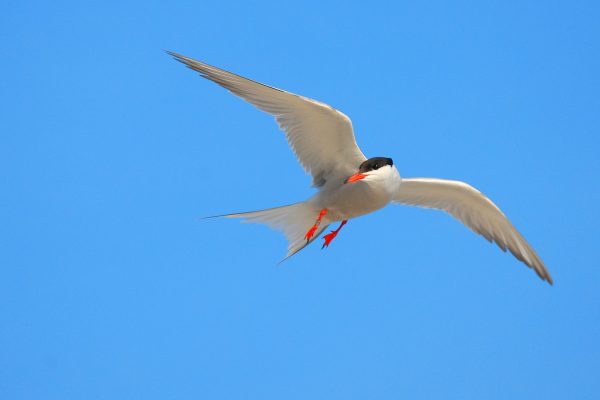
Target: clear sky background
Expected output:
[112,287]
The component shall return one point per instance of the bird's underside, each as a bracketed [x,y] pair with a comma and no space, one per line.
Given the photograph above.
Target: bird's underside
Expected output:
[351,185]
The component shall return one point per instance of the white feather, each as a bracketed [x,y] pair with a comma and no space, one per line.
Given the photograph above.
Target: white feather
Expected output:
[473,209]
[321,136]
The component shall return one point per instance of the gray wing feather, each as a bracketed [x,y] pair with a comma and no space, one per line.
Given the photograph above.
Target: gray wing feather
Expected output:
[473,209]
[321,137]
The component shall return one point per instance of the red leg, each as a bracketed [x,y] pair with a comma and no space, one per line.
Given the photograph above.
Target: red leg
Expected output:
[331,235]
[314,228]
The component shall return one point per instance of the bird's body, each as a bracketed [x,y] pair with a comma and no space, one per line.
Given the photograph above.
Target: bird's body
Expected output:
[350,185]
[347,201]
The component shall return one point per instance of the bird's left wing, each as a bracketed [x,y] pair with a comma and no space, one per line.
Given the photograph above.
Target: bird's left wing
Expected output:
[321,136]
[473,209]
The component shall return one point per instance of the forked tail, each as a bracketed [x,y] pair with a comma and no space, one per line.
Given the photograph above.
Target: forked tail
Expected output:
[293,220]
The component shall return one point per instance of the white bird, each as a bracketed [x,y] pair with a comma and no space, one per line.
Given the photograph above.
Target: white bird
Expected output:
[350,185]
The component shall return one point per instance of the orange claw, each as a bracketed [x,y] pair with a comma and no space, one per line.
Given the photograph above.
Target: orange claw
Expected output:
[328,238]
[314,228]
[331,235]
[311,232]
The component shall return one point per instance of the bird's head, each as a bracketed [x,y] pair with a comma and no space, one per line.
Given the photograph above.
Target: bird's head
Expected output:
[373,168]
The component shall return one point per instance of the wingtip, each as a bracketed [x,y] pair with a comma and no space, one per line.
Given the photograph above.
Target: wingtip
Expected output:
[177,56]
[545,276]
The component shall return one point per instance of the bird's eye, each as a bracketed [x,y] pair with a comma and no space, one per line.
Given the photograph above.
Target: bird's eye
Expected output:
[376,166]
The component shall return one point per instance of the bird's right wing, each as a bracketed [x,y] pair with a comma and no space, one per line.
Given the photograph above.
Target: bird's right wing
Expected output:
[473,209]
[321,136]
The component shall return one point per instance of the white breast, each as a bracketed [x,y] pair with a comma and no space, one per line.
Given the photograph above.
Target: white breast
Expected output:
[362,197]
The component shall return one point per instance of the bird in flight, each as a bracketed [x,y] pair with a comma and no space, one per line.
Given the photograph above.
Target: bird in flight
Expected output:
[350,184]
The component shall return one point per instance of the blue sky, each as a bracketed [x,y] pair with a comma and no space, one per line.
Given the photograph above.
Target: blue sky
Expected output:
[112,287]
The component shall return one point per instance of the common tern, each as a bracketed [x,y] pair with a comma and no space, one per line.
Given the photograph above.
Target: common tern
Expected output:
[350,185]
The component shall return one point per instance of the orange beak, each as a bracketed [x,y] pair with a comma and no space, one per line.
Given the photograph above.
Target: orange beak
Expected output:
[356,177]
